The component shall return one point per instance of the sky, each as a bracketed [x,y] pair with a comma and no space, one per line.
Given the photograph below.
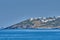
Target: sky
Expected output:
[15,11]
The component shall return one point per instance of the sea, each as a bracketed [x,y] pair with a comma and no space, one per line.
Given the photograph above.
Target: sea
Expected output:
[30,34]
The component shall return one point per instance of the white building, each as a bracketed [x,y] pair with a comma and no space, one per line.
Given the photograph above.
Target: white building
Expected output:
[31,19]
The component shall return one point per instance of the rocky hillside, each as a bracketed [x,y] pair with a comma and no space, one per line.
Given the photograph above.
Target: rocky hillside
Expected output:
[40,22]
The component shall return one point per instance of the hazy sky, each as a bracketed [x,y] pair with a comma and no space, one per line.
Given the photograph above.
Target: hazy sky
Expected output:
[14,11]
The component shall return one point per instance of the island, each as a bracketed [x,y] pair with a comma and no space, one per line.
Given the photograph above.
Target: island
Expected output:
[38,23]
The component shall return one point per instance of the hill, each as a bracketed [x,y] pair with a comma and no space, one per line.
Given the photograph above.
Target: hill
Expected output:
[40,22]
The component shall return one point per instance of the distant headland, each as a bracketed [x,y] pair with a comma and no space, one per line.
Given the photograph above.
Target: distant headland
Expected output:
[40,22]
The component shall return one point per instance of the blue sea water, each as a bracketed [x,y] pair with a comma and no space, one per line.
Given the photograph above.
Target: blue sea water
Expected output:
[30,34]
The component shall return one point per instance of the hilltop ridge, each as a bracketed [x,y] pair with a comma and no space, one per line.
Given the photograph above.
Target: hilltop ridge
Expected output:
[40,22]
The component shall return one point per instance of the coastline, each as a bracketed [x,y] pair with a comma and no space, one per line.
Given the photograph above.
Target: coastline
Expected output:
[31,30]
